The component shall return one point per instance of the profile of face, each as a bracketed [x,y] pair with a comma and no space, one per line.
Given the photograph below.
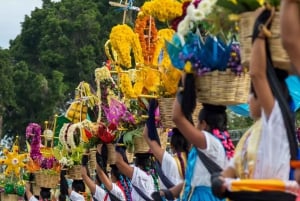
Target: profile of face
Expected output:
[254,106]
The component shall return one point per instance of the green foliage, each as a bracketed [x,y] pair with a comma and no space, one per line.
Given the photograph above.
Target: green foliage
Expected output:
[236,121]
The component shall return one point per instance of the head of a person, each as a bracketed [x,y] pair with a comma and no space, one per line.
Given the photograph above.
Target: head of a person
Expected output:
[212,117]
[45,193]
[178,142]
[254,105]
[143,160]
[115,173]
[78,186]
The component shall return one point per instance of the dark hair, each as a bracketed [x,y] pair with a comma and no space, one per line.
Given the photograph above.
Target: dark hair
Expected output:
[178,141]
[115,171]
[180,144]
[214,115]
[216,118]
[143,160]
[78,186]
[45,193]
[62,197]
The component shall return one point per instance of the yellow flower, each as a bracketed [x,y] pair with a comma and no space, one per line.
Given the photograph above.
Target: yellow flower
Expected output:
[233,17]
[261,2]
[234,1]
[163,10]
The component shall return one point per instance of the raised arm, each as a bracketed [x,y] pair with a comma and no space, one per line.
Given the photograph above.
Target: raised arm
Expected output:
[191,133]
[87,180]
[156,149]
[290,30]
[101,174]
[123,167]
[258,66]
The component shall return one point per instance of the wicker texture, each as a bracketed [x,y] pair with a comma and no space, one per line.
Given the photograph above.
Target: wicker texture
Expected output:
[9,197]
[45,180]
[129,156]
[279,55]
[223,88]
[140,145]
[111,159]
[165,110]
[74,172]
[92,160]
[163,137]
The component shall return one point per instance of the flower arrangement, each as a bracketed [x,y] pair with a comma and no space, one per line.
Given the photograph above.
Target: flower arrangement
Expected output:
[241,6]
[196,11]
[203,56]
[147,32]
[163,10]
[124,41]
[42,157]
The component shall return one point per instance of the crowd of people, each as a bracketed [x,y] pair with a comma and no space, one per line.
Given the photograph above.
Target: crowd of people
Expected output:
[203,160]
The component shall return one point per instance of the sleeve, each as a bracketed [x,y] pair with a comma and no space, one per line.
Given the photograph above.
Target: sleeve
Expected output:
[76,196]
[117,192]
[143,181]
[170,168]
[274,152]
[32,198]
[99,193]
[214,150]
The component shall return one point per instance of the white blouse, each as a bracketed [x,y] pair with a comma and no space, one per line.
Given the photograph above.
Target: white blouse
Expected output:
[144,182]
[100,193]
[216,152]
[170,169]
[273,157]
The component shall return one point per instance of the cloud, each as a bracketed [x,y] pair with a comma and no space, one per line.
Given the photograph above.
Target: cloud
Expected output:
[12,13]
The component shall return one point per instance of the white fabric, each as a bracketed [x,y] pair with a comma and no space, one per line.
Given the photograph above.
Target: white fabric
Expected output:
[100,193]
[216,152]
[32,198]
[144,182]
[76,196]
[273,157]
[170,169]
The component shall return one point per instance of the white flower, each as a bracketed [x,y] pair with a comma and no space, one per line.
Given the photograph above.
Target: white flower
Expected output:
[183,26]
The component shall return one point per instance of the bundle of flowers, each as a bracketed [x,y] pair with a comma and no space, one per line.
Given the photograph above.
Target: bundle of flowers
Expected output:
[41,156]
[163,10]
[124,41]
[202,56]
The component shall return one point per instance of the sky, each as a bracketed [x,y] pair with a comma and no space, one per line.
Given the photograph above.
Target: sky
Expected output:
[12,13]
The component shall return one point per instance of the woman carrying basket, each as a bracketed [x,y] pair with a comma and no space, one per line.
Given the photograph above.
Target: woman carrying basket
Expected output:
[171,167]
[265,150]
[118,187]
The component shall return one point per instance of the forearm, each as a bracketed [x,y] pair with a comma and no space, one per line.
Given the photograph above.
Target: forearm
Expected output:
[104,179]
[176,190]
[290,30]
[289,20]
[87,180]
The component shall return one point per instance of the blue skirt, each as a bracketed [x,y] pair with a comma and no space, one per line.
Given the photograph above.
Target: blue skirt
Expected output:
[201,193]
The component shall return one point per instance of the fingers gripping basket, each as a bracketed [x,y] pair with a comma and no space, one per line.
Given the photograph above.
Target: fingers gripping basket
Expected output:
[279,55]
[165,110]
[223,88]
[46,180]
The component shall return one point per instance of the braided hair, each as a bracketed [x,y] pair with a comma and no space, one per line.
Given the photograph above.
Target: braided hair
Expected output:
[180,144]
[216,119]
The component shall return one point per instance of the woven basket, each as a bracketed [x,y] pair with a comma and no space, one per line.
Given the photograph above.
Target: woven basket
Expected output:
[92,160]
[279,55]
[9,197]
[140,145]
[35,189]
[111,159]
[74,172]
[130,157]
[165,110]
[45,180]
[223,88]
